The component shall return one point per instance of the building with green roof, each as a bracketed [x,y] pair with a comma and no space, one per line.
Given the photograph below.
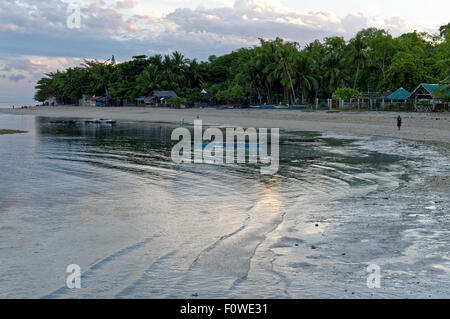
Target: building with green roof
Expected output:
[400,94]
[427,91]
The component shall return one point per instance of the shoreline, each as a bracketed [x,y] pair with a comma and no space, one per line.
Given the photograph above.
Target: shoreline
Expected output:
[312,217]
[421,127]
[7,131]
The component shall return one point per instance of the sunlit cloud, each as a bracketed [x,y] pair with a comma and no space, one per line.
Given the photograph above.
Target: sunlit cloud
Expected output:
[126,4]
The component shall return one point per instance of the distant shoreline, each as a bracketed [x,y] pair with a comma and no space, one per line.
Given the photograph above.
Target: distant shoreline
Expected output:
[4,132]
[421,127]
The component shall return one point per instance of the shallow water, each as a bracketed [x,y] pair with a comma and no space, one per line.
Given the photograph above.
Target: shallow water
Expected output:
[110,200]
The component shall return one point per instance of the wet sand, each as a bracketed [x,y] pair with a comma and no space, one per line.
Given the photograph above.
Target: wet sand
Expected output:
[310,232]
[429,127]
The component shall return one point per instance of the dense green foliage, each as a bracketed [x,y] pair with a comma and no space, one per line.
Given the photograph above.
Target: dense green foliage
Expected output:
[345,93]
[271,72]
[177,101]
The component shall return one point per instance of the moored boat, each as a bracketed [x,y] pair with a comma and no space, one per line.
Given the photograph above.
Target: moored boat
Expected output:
[100,121]
[71,122]
[225,144]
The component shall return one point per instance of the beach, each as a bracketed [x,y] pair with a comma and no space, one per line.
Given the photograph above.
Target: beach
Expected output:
[224,157]
[111,200]
[421,127]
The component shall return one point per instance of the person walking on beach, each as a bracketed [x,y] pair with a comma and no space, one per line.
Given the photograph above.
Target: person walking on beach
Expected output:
[399,122]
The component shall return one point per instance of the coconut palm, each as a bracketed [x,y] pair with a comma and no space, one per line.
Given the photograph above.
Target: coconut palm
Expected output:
[102,75]
[305,74]
[266,58]
[193,74]
[333,74]
[359,54]
[443,89]
[149,80]
[444,29]
[285,54]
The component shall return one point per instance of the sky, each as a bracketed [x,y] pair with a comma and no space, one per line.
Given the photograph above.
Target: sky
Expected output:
[37,36]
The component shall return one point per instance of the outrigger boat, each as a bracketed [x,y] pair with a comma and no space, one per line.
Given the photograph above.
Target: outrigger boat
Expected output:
[269,107]
[100,121]
[225,144]
[299,107]
[71,122]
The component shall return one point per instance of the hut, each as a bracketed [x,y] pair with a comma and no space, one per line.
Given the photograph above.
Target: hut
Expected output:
[400,95]
[102,101]
[162,96]
[428,92]
[143,100]
[206,95]
[425,96]
[87,100]
[91,101]
[51,100]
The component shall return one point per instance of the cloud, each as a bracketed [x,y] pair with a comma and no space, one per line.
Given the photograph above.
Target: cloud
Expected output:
[396,25]
[16,77]
[126,4]
[248,20]
[39,28]
[11,27]
[36,65]
[35,38]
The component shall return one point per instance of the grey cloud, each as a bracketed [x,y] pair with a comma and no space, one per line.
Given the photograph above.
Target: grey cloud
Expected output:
[6,67]
[38,28]
[16,77]
[249,27]
[196,32]
[354,22]
[248,20]
[102,33]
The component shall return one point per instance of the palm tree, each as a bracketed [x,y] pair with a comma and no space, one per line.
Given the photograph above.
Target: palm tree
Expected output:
[157,61]
[443,89]
[359,54]
[285,54]
[178,60]
[193,74]
[333,72]
[149,80]
[101,73]
[305,73]
[444,29]
[266,59]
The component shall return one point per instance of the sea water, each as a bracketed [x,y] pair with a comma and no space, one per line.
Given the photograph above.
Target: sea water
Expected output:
[110,199]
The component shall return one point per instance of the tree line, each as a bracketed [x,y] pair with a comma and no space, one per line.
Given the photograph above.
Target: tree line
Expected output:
[271,72]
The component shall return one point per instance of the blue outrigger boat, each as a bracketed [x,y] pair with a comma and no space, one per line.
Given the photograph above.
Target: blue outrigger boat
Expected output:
[270,107]
[225,144]
[298,107]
